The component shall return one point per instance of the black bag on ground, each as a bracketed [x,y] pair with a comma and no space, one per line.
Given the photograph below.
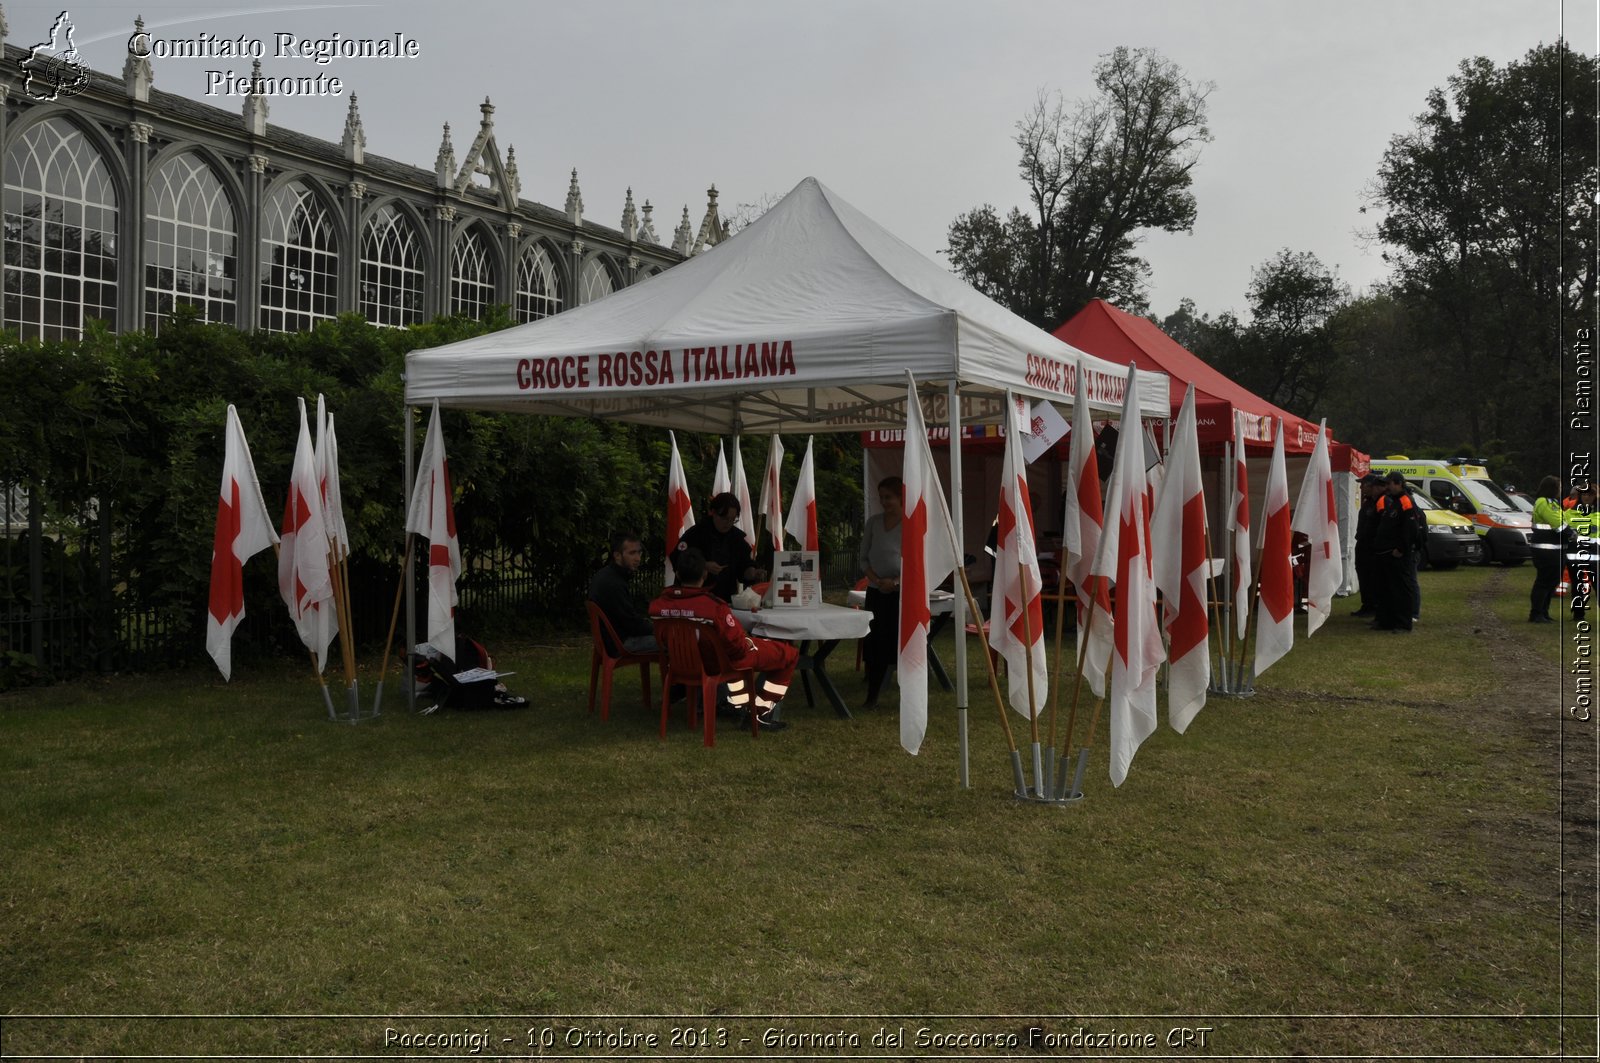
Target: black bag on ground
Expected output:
[439,675]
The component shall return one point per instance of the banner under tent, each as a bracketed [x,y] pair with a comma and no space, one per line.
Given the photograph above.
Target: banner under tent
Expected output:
[806,321]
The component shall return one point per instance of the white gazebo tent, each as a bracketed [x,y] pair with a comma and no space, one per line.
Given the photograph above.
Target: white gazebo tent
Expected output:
[806,321]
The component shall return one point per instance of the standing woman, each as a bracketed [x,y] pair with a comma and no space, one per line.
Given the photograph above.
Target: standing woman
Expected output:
[1549,524]
[880,558]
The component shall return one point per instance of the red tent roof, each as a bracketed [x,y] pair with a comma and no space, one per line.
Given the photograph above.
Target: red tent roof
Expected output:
[1102,330]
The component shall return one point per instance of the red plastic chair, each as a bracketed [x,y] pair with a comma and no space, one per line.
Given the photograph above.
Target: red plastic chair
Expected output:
[607,655]
[687,643]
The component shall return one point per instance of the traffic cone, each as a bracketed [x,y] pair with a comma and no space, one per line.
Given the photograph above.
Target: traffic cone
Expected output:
[1565,586]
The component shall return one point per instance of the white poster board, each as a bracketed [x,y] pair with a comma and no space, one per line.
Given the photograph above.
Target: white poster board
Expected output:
[796,579]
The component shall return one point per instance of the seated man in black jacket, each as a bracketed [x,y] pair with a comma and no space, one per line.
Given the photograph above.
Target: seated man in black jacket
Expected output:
[609,590]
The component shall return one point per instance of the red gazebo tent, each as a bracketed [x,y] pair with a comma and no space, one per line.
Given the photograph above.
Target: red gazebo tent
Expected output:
[1106,332]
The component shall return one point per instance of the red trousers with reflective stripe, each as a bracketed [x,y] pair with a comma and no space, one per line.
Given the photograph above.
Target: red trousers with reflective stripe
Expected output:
[775,660]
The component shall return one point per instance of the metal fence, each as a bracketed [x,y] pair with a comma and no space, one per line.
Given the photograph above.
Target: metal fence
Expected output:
[71,601]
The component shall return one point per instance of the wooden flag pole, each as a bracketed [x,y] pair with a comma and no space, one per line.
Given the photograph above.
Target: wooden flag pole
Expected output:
[394,619]
[1253,617]
[1062,788]
[341,602]
[994,680]
[1077,686]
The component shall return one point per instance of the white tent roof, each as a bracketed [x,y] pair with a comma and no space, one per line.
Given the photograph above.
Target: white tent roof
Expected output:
[808,319]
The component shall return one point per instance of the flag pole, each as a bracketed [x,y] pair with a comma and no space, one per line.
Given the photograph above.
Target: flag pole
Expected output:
[1213,604]
[994,687]
[394,619]
[341,612]
[315,671]
[1033,705]
[1061,623]
[1062,790]
[972,604]
[957,517]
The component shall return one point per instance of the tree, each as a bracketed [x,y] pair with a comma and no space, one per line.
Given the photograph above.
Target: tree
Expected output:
[1291,342]
[1098,173]
[1488,209]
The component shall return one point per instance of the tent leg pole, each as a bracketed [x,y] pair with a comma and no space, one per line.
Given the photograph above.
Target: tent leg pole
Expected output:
[406,569]
[957,519]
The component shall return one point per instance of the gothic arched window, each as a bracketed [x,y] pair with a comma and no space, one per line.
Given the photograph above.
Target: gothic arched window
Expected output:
[596,280]
[189,244]
[538,287]
[60,233]
[299,261]
[391,269]
[471,275]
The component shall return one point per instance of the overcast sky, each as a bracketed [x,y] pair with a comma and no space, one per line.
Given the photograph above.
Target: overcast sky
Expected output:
[906,108]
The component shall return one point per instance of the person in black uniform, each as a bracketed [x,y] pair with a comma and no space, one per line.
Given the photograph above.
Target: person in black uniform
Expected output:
[722,542]
[1398,533]
[1366,561]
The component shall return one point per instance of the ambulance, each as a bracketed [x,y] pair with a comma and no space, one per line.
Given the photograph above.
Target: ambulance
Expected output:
[1463,486]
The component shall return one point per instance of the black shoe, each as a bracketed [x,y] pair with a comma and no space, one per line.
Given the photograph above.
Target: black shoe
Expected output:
[1363,613]
[765,721]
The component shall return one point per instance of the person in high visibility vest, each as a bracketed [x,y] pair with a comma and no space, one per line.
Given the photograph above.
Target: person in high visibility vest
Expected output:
[1549,531]
[1579,511]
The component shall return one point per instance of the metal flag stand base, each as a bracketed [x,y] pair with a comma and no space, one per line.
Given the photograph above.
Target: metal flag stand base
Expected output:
[1232,678]
[353,713]
[1233,681]
[1051,789]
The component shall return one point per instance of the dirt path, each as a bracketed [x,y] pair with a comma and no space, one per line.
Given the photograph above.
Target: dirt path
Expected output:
[1537,698]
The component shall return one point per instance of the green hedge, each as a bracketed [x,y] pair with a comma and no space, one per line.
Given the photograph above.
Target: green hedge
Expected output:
[131,425]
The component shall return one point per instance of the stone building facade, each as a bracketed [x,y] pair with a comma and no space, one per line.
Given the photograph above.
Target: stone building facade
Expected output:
[123,202]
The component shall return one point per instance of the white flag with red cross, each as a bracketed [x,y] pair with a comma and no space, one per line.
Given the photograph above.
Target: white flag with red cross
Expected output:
[243,530]
[772,493]
[927,556]
[1239,531]
[1317,518]
[680,513]
[1275,600]
[304,579]
[802,522]
[433,517]
[1178,541]
[1124,557]
[1016,605]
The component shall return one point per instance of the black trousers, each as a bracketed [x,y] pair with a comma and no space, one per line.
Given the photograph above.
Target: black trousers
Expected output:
[1546,577]
[1394,602]
[1412,586]
[1367,577]
[881,648]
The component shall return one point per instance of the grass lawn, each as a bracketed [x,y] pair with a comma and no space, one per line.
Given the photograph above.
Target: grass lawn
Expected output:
[1365,858]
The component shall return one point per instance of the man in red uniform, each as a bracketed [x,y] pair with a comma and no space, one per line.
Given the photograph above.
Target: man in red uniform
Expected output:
[691,599]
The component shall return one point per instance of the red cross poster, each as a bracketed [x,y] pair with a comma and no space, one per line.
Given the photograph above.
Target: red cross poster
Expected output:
[796,579]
